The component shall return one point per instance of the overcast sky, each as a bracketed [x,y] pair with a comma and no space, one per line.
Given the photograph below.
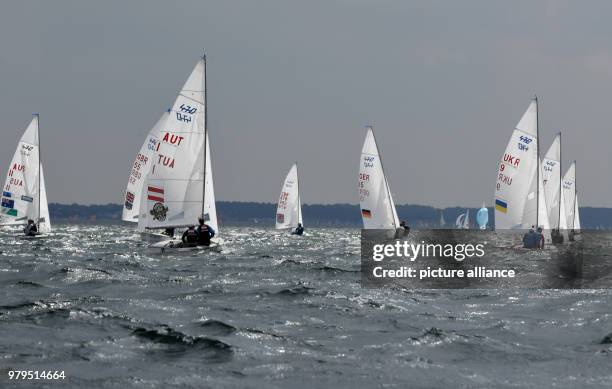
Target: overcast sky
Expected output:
[444,83]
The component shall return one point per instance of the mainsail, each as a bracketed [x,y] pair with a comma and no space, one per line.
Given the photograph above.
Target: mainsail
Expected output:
[519,195]
[576,225]
[140,169]
[551,175]
[174,193]
[377,206]
[570,198]
[289,210]
[24,195]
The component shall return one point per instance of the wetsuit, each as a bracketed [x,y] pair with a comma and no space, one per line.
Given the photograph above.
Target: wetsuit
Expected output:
[299,230]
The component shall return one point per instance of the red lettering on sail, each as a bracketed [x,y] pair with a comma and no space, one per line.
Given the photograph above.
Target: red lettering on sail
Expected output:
[19,167]
[173,139]
[512,160]
[166,161]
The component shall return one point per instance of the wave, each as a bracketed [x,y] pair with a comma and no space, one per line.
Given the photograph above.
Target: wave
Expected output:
[219,328]
[298,290]
[178,342]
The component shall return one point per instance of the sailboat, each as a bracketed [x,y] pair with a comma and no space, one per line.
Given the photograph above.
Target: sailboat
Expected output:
[463,220]
[289,209]
[140,169]
[377,206]
[24,195]
[570,195]
[442,221]
[179,186]
[519,193]
[551,173]
[482,217]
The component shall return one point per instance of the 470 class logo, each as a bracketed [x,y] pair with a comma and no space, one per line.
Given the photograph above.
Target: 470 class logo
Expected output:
[368,161]
[524,142]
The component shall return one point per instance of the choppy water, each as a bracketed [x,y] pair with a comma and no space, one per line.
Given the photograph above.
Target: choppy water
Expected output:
[275,311]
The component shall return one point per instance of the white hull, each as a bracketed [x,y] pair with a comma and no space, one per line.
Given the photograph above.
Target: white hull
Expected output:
[176,245]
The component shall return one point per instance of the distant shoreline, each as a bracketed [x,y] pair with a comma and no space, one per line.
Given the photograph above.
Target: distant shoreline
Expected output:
[332,215]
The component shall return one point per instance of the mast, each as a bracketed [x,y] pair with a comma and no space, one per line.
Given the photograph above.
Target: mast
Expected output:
[205,140]
[384,175]
[39,168]
[560,182]
[297,184]
[537,163]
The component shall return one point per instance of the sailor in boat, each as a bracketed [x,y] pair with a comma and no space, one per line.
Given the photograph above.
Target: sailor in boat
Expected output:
[533,239]
[556,236]
[540,238]
[530,239]
[190,237]
[405,227]
[299,230]
[205,233]
[30,229]
[169,232]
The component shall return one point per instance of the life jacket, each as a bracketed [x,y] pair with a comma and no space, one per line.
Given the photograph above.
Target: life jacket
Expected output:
[191,236]
[203,235]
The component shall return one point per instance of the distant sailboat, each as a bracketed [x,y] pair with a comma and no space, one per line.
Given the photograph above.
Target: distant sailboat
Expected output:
[377,206]
[519,194]
[551,172]
[482,217]
[289,209]
[570,195]
[140,169]
[179,186]
[24,195]
[442,221]
[463,220]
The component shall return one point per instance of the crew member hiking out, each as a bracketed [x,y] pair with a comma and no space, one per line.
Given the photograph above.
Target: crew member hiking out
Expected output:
[30,229]
[299,230]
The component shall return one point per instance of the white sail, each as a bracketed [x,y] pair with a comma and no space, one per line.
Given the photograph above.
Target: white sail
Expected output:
[288,211]
[24,195]
[551,176]
[576,215]
[44,225]
[377,206]
[210,205]
[140,169]
[569,195]
[536,198]
[466,221]
[563,213]
[174,187]
[442,221]
[517,184]
[459,222]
